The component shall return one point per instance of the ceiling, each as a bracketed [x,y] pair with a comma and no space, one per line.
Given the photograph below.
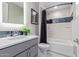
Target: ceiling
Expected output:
[45,5]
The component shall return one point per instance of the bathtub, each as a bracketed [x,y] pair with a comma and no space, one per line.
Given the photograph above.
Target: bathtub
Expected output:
[61,47]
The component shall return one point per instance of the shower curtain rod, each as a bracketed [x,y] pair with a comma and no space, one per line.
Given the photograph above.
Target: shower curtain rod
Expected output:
[57,5]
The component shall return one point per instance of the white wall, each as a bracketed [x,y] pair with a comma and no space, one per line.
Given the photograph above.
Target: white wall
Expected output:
[75,28]
[40,13]
[60,31]
[35,6]
[0,12]
[75,23]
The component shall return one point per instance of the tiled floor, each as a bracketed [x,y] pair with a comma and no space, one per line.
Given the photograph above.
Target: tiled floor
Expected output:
[49,54]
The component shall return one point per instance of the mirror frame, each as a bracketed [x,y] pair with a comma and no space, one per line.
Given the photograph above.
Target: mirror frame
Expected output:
[36,17]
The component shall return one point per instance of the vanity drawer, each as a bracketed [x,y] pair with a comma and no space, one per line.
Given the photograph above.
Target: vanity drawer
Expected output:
[13,50]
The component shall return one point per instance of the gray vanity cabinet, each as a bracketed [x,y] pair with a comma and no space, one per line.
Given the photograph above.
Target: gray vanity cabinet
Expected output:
[25,49]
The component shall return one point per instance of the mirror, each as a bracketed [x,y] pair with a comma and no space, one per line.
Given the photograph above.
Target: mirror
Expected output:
[13,12]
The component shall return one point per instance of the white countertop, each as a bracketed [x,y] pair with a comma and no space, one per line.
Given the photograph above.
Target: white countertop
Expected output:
[9,41]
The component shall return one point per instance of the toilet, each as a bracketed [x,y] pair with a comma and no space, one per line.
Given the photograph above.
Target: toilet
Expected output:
[44,48]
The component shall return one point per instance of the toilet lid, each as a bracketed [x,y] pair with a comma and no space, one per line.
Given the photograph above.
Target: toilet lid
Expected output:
[43,45]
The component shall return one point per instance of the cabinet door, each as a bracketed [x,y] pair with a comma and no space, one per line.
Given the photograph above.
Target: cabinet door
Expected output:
[33,51]
[23,54]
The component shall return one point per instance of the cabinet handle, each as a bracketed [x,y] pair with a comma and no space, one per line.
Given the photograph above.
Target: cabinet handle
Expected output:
[28,52]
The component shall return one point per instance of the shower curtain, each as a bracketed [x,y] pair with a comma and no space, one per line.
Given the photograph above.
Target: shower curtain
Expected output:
[43,32]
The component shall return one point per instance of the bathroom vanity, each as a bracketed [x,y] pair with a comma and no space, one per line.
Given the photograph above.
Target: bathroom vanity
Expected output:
[19,46]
